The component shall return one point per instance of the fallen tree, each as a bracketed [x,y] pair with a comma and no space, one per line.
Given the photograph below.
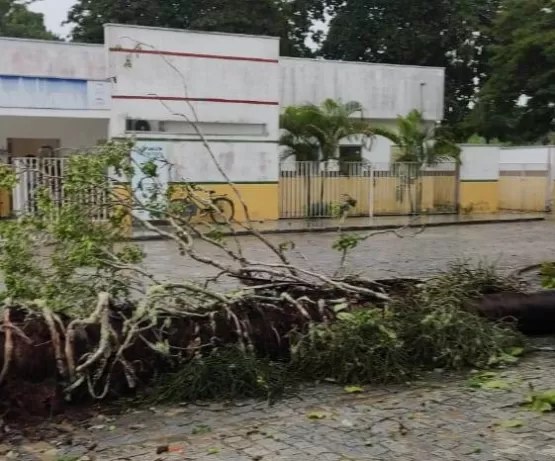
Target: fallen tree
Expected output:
[82,317]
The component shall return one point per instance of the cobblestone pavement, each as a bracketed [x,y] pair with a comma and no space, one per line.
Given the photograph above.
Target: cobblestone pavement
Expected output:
[439,419]
[510,245]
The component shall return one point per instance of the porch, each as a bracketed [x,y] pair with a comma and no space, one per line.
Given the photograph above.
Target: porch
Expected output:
[41,140]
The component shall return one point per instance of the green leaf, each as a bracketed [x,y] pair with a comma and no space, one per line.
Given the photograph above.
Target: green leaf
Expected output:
[202,429]
[213,451]
[496,384]
[517,351]
[353,389]
[345,316]
[511,423]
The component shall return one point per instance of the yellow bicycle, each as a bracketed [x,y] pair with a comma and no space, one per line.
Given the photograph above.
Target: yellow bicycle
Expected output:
[220,208]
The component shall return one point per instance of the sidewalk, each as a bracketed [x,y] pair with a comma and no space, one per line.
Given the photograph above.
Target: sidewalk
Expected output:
[284,226]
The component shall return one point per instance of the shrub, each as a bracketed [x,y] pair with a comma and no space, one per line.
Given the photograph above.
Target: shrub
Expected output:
[224,373]
[427,328]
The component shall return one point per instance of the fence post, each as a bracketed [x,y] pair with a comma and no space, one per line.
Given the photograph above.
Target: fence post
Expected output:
[549,191]
[522,187]
[372,192]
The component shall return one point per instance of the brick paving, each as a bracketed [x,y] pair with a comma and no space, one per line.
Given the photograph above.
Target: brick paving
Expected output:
[509,245]
[440,418]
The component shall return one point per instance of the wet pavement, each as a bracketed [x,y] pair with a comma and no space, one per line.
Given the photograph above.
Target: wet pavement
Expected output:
[509,245]
[440,418]
[283,226]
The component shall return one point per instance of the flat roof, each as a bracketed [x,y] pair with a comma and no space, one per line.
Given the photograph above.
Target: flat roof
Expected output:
[337,61]
[52,42]
[133,26]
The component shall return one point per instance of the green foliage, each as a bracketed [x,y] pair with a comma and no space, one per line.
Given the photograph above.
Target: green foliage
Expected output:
[428,328]
[487,381]
[224,373]
[522,62]
[309,127]
[16,20]
[547,273]
[62,254]
[443,33]
[288,20]
[361,347]
[418,143]
[541,402]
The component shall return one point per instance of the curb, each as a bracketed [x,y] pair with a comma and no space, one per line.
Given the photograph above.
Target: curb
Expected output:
[149,238]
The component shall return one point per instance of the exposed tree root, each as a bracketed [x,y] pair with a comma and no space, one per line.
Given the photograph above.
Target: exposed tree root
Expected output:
[121,345]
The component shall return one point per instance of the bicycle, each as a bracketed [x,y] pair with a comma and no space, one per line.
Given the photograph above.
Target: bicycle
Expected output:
[190,206]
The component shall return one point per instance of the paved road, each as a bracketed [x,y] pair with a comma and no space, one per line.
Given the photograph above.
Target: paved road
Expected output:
[440,419]
[509,245]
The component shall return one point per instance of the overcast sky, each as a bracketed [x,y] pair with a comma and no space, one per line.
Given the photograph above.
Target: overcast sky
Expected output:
[55,12]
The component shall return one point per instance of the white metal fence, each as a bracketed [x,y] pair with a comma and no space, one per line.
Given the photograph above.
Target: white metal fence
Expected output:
[524,186]
[36,174]
[313,189]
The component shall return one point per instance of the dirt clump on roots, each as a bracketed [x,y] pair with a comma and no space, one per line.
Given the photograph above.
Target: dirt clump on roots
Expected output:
[344,330]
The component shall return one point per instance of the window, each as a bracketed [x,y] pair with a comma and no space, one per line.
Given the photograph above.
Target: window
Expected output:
[350,158]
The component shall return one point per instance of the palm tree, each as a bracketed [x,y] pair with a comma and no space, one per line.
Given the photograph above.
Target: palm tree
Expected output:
[314,132]
[417,143]
[418,147]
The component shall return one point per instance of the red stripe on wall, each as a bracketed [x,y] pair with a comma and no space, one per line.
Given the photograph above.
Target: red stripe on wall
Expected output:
[193,55]
[217,100]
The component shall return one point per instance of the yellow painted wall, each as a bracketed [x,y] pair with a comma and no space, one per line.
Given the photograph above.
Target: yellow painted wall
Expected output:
[260,198]
[522,193]
[437,194]
[479,196]
[121,199]
[5,203]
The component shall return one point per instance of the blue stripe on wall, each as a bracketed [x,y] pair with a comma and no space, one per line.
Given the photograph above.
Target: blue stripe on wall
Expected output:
[47,93]
[53,79]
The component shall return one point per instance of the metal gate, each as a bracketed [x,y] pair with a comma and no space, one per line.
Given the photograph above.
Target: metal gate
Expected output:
[48,174]
[317,190]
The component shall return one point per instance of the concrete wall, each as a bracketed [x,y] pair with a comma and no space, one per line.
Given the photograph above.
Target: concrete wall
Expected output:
[52,59]
[217,80]
[52,76]
[385,91]
[532,155]
[479,175]
[524,182]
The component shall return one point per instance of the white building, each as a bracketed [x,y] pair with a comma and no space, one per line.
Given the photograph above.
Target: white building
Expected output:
[150,82]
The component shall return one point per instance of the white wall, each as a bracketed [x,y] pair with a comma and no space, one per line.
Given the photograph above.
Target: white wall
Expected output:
[39,58]
[385,91]
[535,158]
[73,133]
[190,161]
[236,78]
[479,162]
[208,78]
[38,74]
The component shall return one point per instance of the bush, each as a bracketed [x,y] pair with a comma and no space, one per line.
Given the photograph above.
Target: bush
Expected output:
[429,327]
[224,373]
[360,347]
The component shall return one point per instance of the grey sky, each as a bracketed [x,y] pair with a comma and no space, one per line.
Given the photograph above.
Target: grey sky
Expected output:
[55,12]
